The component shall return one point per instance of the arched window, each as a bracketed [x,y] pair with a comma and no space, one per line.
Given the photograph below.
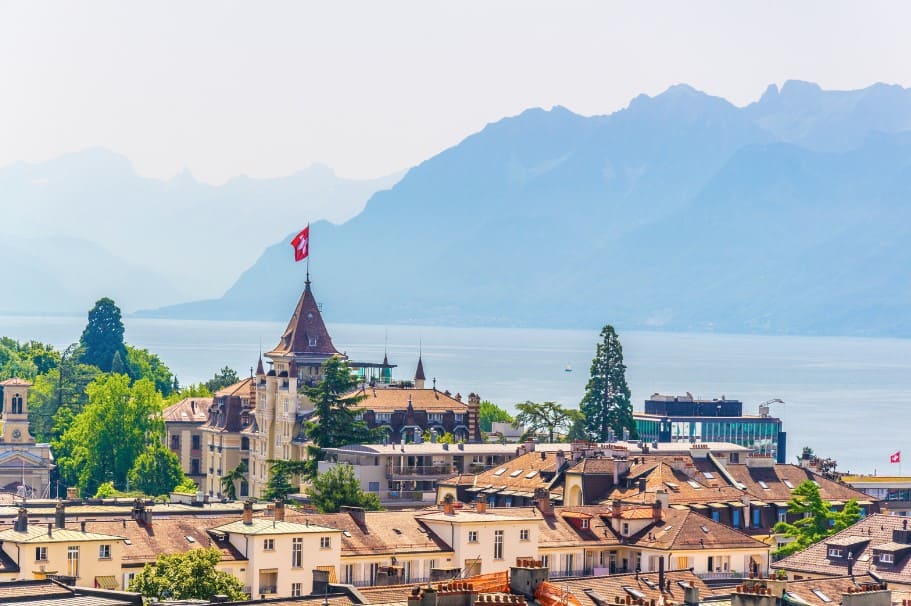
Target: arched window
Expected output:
[16,405]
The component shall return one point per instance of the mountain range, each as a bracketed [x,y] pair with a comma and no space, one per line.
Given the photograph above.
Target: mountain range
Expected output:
[679,212]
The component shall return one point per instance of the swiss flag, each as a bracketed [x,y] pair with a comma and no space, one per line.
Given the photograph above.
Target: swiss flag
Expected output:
[301,244]
[896,458]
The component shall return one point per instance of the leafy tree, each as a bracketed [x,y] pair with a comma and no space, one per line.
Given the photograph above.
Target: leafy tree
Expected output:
[223,378]
[191,575]
[142,364]
[156,471]
[489,413]
[106,491]
[193,390]
[14,362]
[104,440]
[117,365]
[61,387]
[103,335]
[338,424]
[338,486]
[606,403]
[187,486]
[816,520]
[229,480]
[281,473]
[547,417]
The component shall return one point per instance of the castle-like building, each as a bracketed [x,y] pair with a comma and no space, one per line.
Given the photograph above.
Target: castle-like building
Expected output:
[262,418]
[25,467]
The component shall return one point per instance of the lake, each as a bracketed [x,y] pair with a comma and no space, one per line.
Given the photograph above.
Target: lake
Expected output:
[844,397]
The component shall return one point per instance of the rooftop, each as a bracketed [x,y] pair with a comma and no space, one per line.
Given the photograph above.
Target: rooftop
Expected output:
[263,526]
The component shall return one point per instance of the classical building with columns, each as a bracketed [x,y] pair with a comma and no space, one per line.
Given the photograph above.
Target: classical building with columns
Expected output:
[25,466]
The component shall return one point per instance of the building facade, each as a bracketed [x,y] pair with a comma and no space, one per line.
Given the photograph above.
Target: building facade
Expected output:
[185,437]
[25,466]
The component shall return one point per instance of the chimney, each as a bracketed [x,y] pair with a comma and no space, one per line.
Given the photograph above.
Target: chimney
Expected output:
[358,514]
[616,508]
[662,497]
[60,515]
[50,529]
[21,520]
[560,460]
[448,507]
[661,573]
[530,445]
[691,595]
[542,501]
[248,512]
[642,484]
[526,576]
[480,506]
[82,526]
[279,515]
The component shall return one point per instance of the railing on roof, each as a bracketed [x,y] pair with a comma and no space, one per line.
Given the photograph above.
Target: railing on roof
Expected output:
[421,470]
[415,496]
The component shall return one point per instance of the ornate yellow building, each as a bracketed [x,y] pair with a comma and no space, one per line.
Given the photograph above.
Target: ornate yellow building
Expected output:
[25,466]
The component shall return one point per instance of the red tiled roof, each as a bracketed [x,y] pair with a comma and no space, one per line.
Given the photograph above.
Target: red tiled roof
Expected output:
[188,410]
[306,332]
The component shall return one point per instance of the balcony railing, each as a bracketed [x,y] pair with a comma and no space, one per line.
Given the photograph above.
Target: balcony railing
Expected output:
[268,589]
[575,572]
[420,470]
[717,576]
[410,496]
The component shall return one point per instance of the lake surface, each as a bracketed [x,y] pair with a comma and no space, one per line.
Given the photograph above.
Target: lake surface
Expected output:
[847,398]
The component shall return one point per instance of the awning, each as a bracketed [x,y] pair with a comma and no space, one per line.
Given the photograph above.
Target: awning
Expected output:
[735,503]
[331,571]
[698,506]
[106,582]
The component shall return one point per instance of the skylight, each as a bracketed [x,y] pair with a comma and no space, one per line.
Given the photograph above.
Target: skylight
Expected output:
[704,529]
[667,528]
[694,484]
[672,486]
[346,533]
[788,484]
[650,583]
[189,539]
[821,595]
[530,474]
[763,484]
[633,592]
[500,471]
[709,475]
[516,473]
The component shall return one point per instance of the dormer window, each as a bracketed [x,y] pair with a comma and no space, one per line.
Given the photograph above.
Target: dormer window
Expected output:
[886,558]
[312,341]
[836,552]
[583,523]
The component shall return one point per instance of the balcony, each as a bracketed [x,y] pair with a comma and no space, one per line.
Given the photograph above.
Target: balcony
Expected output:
[402,498]
[265,589]
[405,472]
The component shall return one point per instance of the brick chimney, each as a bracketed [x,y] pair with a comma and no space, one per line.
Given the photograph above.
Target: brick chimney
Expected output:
[542,501]
[248,512]
[358,514]
[448,507]
[21,520]
[279,515]
[526,576]
[480,506]
[60,515]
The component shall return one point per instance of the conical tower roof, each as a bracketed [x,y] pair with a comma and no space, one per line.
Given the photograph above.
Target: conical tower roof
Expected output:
[306,334]
[419,373]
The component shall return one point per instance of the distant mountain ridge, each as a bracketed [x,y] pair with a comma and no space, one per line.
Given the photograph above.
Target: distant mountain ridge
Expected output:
[680,212]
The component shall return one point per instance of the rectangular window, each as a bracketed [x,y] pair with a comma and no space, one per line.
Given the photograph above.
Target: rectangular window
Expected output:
[886,558]
[195,442]
[523,534]
[584,522]
[373,487]
[757,520]
[349,574]
[104,552]
[545,561]
[269,545]
[834,552]
[297,590]
[72,561]
[325,542]
[736,523]
[472,536]
[498,544]
[297,552]
[41,554]
[782,514]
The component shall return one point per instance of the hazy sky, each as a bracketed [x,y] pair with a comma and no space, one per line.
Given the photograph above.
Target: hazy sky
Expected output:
[266,88]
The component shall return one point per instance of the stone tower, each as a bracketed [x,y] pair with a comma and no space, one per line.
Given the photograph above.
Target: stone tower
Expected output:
[15,412]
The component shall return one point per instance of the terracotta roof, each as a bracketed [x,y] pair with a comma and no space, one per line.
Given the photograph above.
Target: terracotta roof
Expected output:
[776,477]
[589,591]
[865,536]
[681,487]
[241,388]
[264,526]
[15,382]
[392,399]
[188,410]
[306,333]
[524,474]
[384,532]
[48,593]
[832,588]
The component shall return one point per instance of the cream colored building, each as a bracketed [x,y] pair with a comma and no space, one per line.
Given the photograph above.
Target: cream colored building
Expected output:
[92,559]
[282,555]
[184,422]
[226,441]
[25,466]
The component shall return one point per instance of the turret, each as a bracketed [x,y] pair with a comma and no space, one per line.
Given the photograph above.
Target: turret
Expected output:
[419,377]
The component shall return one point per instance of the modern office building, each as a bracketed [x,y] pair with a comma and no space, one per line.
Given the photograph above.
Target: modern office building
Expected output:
[687,419]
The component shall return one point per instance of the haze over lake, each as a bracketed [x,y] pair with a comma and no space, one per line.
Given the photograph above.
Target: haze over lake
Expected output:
[854,388]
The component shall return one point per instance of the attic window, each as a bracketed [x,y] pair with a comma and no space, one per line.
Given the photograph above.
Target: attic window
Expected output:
[633,592]
[684,584]
[672,486]
[650,583]
[128,541]
[312,341]
[667,528]
[821,595]
[763,485]
[835,552]
[708,475]
[530,474]
[500,471]
[704,529]
[516,473]
[694,484]
[396,531]
[189,539]
[346,533]
[788,484]
[584,522]
[886,558]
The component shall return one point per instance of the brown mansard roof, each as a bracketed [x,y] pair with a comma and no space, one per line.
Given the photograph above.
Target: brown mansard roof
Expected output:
[306,324]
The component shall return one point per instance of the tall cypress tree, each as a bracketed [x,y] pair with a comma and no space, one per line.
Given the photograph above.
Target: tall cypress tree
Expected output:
[606,403]
[103,335]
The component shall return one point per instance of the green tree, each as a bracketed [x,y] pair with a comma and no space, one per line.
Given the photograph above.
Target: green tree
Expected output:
[14,361]
[334,404]
[61,387]
[223,378]
[103,335]
[338,486]
[281,473]
[489,413]
[103,441]
[156,471]
[816,520]
[142,364]
[229,480]
[606,403]
[193,390]
[191,575]
[546,417]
